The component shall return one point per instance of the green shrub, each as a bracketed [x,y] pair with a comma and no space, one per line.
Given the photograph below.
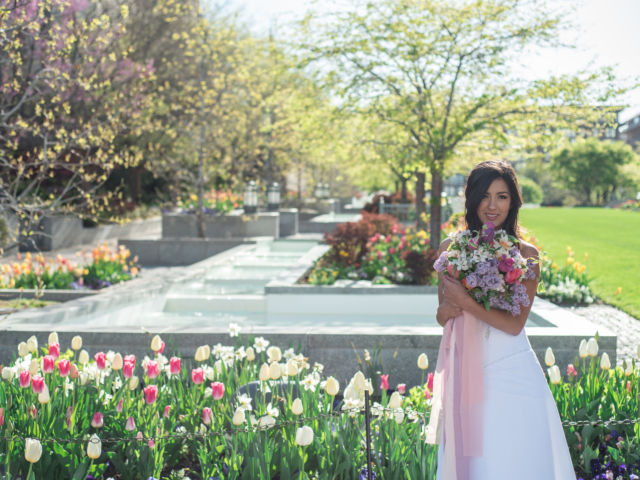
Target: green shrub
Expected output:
[531,191]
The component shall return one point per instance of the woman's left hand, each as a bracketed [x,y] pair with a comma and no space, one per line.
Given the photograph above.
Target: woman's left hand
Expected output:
[455,293]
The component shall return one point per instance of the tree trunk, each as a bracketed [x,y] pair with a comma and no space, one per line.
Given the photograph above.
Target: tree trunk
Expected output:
[436,208]
[420,209]
[403,197]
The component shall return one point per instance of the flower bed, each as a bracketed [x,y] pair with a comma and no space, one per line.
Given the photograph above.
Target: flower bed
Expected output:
[376,248]
[103,268]
[251,410]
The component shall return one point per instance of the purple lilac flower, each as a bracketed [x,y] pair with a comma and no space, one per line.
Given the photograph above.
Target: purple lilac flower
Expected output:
[440,264]
[488,231]
[493,281]
[472,280]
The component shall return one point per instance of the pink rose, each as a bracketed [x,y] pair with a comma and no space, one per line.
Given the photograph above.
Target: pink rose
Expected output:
[513,275]
[197,375]
[217,390]
[150,394]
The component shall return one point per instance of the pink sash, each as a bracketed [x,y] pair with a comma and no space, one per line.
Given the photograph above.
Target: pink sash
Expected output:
[458,393]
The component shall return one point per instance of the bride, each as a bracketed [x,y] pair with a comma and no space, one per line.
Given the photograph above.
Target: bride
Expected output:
[512,430]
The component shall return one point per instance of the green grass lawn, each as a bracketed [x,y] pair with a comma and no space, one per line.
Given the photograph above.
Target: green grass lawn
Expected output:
[610,237]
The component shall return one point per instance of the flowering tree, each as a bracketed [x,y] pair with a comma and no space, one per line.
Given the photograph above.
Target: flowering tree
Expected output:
[69,97]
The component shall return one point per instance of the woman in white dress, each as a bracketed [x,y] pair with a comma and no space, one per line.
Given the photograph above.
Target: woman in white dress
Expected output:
[518,432]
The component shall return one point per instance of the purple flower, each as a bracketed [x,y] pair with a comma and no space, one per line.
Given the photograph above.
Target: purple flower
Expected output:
[488,231]
[472,280]
[506,264]
[440,264]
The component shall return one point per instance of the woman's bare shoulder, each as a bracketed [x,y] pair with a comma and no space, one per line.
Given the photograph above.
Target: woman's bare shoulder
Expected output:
[528,250]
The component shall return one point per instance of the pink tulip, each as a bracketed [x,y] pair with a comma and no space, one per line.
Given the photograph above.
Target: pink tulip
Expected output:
[130,426]
[48,363]
[217,390]
[1,416]
[427,394]
[151,443]
[167,410]
[571,370]
[387,239]
[54,350]
[207,414]
[101,360]
[392,250]
[197,375]
[119,406]
[152,369]
[33,412]
[384,382]
[629,386]
[98,420]
[74,372]
[430,381]
[174,366]
[139,436]
[394,228]
[150,394]
[379,255]
[130,359]
[161,349]
[24,379]
[37,383]
[402,388]
[64,367]
[127,369]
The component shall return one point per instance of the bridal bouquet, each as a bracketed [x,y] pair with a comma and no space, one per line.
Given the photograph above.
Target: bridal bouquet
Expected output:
[489,264]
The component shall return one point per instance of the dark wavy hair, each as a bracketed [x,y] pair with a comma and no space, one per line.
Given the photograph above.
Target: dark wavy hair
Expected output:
[479,181]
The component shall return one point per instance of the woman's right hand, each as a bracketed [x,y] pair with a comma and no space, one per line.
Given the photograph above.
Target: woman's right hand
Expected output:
[446,312]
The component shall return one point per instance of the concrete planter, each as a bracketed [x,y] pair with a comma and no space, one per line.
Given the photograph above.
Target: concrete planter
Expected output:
[263,224]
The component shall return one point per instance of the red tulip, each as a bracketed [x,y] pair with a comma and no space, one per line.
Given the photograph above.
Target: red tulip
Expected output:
[217,390]
[54,350]
[98,420]
[174,366]
[150,393]
[48,363]
[197,375]
[101,360]
[384,382]
[64,367]
[24,379]
[207,414]
[152,369]
[37,383]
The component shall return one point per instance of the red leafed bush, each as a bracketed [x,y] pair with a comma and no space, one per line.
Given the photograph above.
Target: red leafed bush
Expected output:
[420,265]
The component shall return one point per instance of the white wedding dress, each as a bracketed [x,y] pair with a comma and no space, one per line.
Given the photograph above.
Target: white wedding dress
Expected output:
[522,435]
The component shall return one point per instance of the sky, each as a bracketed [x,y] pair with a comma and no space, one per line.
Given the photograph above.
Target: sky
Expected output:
[607,34]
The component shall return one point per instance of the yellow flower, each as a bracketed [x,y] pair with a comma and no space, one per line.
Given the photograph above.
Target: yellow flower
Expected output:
[618,290]
[193,197]
[570,260]
[569,252]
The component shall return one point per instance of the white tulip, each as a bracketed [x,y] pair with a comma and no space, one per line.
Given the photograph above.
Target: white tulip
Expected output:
[296,407]
[130,426]
[628,367]
[304,436]
[592,347]
[76,342]
[549,357]
[117,362]
[266,422]
[53,338]
[156,343]
[395,401]
[605,363]
[423,361]
[274,371]
[292,368]
[264,372]
[554,375]
[638,352]
[83,377]
[582,349]
[238,417]
[83,357]
[32,343]
[34,366]
[134,381]
[398,415]
[8,373]
[251,354]
[94,447]
[32,450]
[23,349]
[43,396]
[274,354]
[359,382]
[332,386]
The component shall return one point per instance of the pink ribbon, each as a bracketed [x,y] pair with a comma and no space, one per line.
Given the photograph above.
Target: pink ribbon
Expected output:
[458,393]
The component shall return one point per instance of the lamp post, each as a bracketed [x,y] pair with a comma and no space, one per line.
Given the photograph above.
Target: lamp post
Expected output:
[251,197]
[273,197]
